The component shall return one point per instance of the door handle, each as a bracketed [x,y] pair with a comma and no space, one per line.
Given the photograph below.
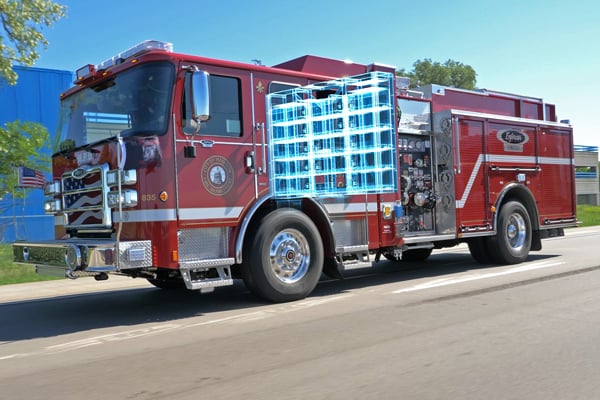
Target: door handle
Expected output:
[249,162]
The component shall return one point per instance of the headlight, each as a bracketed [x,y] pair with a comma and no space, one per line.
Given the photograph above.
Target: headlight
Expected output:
[128,177]
[52,188]
[129,198]
[73,256]
[52,206]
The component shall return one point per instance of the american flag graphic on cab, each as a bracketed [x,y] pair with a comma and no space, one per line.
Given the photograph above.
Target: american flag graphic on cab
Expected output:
[83,199]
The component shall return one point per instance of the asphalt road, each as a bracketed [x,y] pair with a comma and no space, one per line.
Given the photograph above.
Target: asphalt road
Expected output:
[447,329]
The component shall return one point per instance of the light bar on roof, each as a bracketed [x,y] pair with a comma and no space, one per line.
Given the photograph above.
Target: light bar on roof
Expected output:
[85,71]
[146,45]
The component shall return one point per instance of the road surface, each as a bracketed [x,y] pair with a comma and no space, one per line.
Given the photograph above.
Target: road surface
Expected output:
[447,329]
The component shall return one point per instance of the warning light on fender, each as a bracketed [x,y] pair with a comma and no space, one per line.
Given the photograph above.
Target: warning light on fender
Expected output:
[163,196]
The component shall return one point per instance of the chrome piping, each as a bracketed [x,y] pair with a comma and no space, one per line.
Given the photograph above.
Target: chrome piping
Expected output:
[264,150]
[456,130]
[119,190]
[176,172]
[254,129]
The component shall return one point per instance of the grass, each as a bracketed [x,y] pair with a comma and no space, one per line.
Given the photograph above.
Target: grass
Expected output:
[588,215]
[14,273]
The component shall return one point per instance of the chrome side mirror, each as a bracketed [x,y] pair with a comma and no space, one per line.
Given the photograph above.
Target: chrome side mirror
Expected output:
[201,96]
[197,101]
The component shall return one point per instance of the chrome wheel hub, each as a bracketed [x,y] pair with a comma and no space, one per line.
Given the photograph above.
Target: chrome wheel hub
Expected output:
[516,231]
[289,256]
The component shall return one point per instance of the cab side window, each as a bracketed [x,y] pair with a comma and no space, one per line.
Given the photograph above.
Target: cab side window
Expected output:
[278,87]
[225,108]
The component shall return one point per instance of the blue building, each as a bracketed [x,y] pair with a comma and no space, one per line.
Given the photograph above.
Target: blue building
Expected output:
[34,98]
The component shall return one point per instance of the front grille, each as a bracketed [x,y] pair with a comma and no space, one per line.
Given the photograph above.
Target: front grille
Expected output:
[84,198]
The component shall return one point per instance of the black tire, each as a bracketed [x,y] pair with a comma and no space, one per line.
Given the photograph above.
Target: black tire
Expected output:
[283,257]
[478,247]
[512,242]
[168,284]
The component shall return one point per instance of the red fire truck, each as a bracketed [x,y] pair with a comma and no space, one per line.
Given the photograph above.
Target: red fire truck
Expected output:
[191,172]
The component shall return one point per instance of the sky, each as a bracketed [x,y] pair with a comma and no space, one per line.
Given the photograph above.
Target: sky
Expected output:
[548,49]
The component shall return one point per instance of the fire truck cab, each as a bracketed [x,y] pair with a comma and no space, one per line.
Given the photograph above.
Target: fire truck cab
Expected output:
[191,172]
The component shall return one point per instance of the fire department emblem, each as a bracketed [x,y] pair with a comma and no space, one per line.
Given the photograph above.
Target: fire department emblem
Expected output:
[217,175]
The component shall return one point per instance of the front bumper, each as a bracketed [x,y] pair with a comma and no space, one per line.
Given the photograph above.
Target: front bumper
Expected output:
[75,257]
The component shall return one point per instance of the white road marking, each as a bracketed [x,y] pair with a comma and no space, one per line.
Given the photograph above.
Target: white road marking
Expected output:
[270,311]
[113,337]
[17,355]
[474,277]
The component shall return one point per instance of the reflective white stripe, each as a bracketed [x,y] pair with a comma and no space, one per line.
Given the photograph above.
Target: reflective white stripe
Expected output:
[557,161]
[460,203]
[184,214]
[506,159]
[343,208]
[210,213]
[147,215]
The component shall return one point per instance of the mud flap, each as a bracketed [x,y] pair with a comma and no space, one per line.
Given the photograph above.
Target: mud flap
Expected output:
[332,268]
[536,241]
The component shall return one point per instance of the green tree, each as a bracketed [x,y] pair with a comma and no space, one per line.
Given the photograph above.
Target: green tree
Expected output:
[450,73]
[21,143]
[22,23]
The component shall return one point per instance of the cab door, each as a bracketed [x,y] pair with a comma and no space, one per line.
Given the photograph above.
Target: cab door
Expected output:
[214,178]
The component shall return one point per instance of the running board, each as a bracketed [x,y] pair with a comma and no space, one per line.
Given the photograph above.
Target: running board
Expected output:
[354,257]
[350,265]
[206,275]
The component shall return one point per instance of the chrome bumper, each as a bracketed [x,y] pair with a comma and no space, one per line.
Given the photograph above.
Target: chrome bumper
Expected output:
[83,256]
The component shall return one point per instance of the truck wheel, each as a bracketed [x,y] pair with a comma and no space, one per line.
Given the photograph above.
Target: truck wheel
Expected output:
[283,257]
[512,243]
[478,247]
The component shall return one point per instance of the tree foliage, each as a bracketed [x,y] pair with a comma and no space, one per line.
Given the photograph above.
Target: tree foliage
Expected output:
[22,23]
[23,143]
[450,73]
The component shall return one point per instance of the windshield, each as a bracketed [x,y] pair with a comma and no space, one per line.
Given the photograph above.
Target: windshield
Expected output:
[134,102]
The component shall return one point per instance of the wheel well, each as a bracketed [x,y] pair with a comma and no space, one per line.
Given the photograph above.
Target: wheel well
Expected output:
[308,206]
[523,195]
